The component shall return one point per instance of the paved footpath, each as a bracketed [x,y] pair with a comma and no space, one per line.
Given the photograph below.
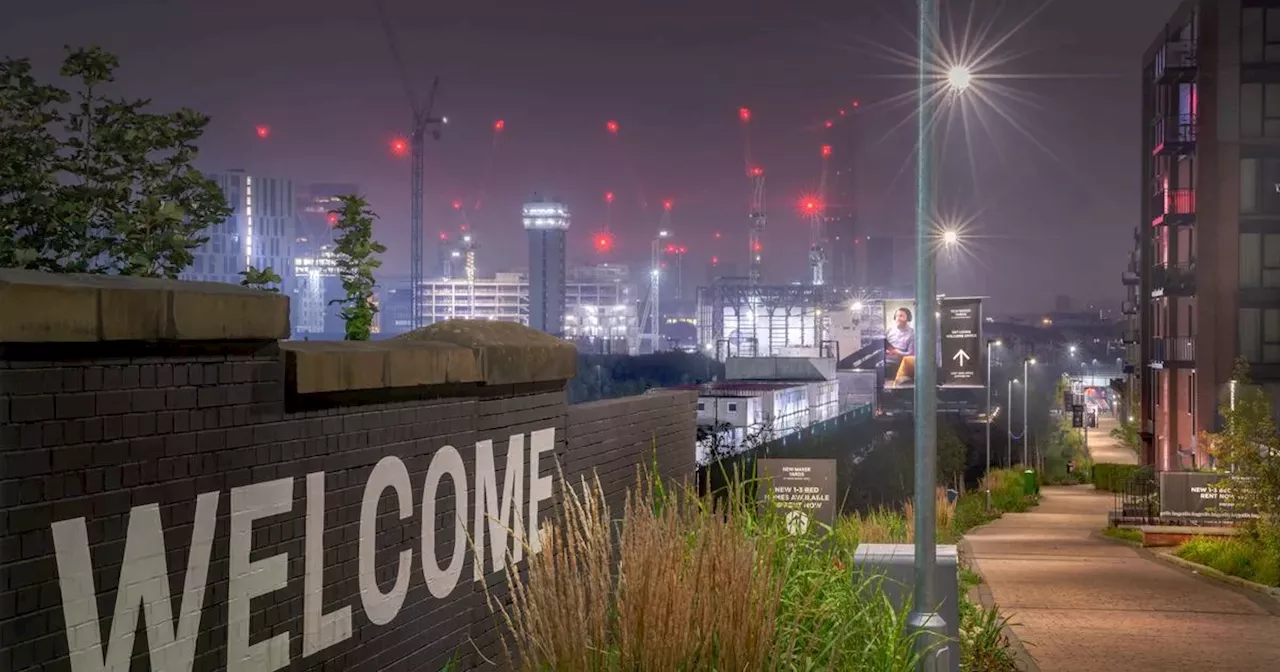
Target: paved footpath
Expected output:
[1103,448]
[1081,602]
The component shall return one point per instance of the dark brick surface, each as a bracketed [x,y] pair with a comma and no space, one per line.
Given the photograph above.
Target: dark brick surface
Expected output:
[93,434]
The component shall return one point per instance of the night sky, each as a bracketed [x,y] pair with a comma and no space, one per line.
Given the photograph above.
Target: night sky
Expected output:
[1054,204]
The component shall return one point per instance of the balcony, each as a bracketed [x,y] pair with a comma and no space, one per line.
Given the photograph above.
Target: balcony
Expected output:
[1173,279]
[1174,136]
[1130,279]
[1173,207]
[1129,308]
[1175,62]
[1173,352]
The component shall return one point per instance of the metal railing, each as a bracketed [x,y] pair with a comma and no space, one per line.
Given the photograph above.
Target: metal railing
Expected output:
[1179,55]
[1178,277]
[1139,498]
[1174,349]
[1173,201]
[1179,129]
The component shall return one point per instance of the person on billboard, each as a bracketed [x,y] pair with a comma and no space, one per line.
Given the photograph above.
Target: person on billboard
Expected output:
[900,349]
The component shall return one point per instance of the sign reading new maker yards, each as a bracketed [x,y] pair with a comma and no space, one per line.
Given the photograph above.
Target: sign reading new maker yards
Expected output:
[143,588]
[804,489]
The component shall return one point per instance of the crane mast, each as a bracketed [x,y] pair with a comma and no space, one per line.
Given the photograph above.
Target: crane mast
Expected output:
[423,123]
[818,244]
[651,313]
[756,216]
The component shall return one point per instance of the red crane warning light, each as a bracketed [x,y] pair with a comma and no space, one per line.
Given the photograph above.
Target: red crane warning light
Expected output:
[399,147]
[842,111]
[333,218]
[672,249]
[757,248]
[263,131]
[444,236]
[809,205]
[604,242]
[608,197]
[826,151]
[499,125]
[756,171]
[715,261]
[856,104]
[611,126]
[666,205]
[457,205]
[744,114]
[717,235]
[828,123]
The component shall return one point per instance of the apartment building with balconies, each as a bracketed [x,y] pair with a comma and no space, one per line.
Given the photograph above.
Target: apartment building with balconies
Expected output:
[1209,239]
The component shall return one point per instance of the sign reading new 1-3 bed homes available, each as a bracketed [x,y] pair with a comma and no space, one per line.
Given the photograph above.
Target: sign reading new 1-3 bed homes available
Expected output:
[805,490]
[143,590]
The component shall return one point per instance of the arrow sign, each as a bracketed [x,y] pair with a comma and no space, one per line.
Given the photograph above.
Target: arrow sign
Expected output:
[961,356]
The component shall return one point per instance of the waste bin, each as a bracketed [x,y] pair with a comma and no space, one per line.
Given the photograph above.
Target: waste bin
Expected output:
[1030,484]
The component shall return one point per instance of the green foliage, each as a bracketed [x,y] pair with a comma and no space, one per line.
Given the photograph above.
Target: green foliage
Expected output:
[1248,447]
[1123,534]
[91,184]
[984,647]
[355,250]
[263,279]
[1127,435]
[1064,446]
[1112,477]
[1254,556]
[952,457]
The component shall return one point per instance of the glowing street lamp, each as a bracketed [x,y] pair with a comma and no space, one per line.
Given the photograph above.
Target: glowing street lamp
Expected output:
[950,237]
[991,343]
[959,78]
[1026,364]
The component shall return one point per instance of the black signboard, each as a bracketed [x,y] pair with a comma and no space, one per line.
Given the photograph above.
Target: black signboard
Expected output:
[804,489]
[1077,416]
[1093,421]
[1067,399]
[1200,495]
[961,330]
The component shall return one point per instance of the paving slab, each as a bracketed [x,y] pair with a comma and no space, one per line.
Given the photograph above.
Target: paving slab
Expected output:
[1081,602]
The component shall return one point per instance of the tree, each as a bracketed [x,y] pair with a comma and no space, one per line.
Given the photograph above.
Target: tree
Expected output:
[91,184]
[354,250]
[1248,447]
[262,279]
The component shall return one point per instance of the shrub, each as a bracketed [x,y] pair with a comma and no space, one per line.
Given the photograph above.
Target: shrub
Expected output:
[692,584]
[1123,534]
[1112,477]
[1252,556]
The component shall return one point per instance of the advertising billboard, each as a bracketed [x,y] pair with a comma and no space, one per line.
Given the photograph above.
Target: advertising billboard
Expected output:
[899,343]
[960,327]
[846,330]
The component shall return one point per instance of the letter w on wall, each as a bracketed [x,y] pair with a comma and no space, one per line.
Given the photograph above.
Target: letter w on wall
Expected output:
[144,585]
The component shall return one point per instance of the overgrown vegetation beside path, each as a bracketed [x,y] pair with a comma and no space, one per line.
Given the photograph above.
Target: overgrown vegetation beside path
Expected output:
[650,591]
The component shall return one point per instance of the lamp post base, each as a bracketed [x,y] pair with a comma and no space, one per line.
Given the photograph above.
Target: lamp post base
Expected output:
[930,641]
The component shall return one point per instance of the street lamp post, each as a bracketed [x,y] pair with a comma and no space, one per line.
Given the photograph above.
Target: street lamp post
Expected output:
[986,477]
[927,624]
[1008,448]
[1026,385]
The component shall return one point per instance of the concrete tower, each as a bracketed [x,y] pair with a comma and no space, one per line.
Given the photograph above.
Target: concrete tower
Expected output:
[547,223]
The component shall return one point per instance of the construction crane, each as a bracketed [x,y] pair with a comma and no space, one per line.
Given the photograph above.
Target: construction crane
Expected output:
[424,122]
[819,263]
[756,213]
[651,313]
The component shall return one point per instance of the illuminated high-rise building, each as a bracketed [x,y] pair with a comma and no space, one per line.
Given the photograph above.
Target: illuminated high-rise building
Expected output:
[260,231]
[547,225]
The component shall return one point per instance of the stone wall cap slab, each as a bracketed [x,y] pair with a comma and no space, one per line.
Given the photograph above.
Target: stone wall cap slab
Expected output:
[313,367]
[43,307]
[507,353]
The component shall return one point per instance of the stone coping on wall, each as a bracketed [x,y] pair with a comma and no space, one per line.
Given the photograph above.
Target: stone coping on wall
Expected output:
[455,351]
[38,307]
[505,352]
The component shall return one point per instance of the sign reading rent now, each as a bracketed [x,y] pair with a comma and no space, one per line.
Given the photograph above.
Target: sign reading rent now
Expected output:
[804,489]
[144,590]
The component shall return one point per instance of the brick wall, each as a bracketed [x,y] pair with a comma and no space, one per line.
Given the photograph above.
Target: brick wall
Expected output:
[119,458]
